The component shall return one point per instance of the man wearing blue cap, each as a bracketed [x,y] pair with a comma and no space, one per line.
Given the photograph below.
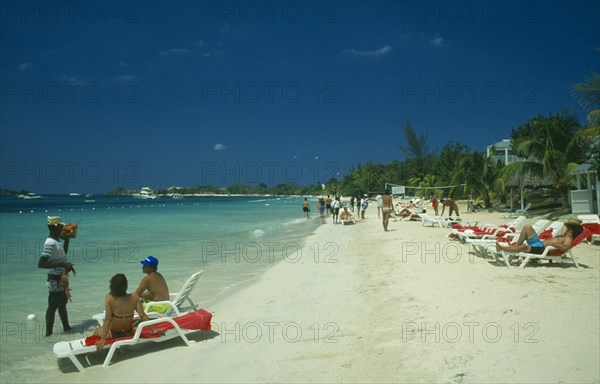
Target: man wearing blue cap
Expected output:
[153,287]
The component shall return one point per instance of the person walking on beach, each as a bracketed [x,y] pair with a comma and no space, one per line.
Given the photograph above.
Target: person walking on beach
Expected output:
[434,203]
[153,286]
[54,259]
[306,207]
[387,208]
[321,206]
[379,203]
[364,203]
[335,209]
[328,205]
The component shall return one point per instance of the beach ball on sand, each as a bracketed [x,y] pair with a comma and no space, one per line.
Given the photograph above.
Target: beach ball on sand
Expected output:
[31,317]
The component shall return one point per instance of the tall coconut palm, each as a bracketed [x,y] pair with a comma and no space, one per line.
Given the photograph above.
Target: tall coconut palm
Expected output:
[546,145]
[370,176]
[477,173]
[588,96]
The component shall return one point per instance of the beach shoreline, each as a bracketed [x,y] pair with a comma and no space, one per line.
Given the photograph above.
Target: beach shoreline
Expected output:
[357,304]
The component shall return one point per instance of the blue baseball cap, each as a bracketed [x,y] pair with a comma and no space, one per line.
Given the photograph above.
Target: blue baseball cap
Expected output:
[150,261]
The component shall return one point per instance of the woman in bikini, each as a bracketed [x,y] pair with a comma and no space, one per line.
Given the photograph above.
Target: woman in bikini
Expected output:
[119,309]
[387,208]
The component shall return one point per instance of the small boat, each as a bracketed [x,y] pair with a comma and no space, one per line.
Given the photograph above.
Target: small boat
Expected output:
[74,194]
[30,195]
[145,193]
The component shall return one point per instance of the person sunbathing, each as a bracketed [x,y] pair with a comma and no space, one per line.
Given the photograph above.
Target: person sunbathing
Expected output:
[119,311]
[530,242]
[346,215]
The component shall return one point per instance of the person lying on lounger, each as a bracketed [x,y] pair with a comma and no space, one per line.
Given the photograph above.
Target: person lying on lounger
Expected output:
[119,308]
[530,242]
[346,215]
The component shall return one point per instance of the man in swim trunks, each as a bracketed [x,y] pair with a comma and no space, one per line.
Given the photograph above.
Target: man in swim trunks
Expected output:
[153,287]
[328,202]
[119,306]
[306,207]
[452,206]
[530,242]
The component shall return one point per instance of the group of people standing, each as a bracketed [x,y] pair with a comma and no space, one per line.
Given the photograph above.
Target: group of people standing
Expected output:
[119,305]
[385,206]
[328,206]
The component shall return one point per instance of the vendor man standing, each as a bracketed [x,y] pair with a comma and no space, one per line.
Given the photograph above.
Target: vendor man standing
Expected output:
[54,259]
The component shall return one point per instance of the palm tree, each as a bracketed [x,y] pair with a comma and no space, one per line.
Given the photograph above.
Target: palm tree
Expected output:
[370,176]
[478,174]
[546,145]
[588,96]
[416,149]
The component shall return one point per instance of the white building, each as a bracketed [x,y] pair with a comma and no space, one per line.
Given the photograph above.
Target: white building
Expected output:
[502,151]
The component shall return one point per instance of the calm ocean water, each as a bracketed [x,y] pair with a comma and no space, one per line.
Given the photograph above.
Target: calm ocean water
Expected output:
[233,239]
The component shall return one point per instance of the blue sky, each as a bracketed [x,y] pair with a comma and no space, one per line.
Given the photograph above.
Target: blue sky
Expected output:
[100,94]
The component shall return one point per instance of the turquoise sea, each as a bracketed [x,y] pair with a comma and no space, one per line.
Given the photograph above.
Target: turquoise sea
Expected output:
[233,239]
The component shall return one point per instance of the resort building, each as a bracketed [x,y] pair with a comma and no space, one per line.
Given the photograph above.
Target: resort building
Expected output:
[502,151]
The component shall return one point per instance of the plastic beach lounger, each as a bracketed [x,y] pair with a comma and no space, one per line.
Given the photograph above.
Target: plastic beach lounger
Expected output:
[177,301]
[550,253]
[172,328]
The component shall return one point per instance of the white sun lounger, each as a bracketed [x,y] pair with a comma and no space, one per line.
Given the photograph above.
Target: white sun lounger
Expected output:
[517,212]
[489,231]
[548,254]
[179,328]
[178,299]
[479,245]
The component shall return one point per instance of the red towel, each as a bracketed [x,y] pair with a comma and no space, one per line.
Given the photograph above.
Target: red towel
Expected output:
[198,320]
[594,229]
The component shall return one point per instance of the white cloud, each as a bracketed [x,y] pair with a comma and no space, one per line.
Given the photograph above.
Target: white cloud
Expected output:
[73,80]
[437,41]
[127,78]
[175,52]
[219,147]
[25,66]
[377,52]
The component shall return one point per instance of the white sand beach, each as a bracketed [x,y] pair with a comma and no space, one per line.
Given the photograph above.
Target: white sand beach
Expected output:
[361,305]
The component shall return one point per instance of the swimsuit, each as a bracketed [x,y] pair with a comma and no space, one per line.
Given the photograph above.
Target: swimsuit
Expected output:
[535,241]
[122,317]
[124,333]
[160,308]
[536,245]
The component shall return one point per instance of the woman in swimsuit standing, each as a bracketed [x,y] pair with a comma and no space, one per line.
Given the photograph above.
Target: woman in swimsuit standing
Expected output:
[387,207]
[119,307]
